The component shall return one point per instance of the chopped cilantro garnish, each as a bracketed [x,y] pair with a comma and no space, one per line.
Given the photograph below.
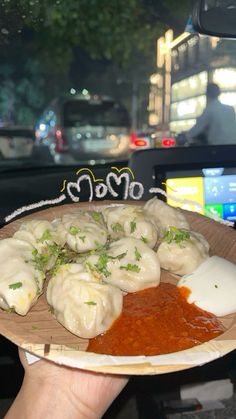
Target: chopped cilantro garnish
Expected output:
[15,285]
[131,267]
[73,230]
[99,247]
[40,260]
[133,226]
[119,257]
[99,267]
[101,264]
[144,239]
[45,236]
[54,249]
[62,258]
[216,286]
[90,303]
[117,228]
[176,234]
[137,254]
[97,216]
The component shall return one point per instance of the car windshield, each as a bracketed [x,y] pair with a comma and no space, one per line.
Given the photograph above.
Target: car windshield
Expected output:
[101,82]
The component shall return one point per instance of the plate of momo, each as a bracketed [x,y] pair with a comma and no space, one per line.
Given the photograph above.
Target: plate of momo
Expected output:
[120,287]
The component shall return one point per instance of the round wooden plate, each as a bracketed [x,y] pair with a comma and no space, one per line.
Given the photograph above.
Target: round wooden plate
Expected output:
[40,334]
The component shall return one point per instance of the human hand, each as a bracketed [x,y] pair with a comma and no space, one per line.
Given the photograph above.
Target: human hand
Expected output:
[53,391]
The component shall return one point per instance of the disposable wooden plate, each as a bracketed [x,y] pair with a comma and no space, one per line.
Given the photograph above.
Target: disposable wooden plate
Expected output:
[41,335]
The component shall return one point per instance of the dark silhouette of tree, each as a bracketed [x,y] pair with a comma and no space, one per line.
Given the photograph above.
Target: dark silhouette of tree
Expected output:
[38,40]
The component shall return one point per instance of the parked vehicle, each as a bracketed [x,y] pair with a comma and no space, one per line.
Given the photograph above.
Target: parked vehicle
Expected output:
[16,142]
[83,127]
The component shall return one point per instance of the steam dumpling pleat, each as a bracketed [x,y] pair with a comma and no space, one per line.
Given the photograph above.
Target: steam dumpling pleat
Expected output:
[81,231]
[85,308]
[182,251]
[128,264]
[130,221]
[20,283]
[164,215]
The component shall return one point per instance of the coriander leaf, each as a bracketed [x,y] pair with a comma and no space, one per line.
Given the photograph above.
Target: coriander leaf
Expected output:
[117,228]
[90,303]
[137,254]
[176,234]
[101,264]
[15,285]
[99,247]
[45,236]
[130,267]
[54,249]
[119,257]
[62,258]
[73,230]
[97,216]
[144,239]
[40,260]
[133,226]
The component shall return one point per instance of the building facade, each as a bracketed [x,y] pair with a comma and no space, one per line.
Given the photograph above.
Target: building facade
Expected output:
[185,65]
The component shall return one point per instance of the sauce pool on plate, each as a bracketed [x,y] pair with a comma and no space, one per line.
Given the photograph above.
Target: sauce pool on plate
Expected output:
[156,321]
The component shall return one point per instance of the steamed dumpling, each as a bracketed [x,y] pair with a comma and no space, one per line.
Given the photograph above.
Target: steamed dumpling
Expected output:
[164,215]
[36,232]
[182,251]
[81,231]
[20,282]
[85,308]
[129,264]
[40,234]
[130,221]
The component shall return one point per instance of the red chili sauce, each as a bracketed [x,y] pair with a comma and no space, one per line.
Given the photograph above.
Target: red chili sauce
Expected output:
[156,321]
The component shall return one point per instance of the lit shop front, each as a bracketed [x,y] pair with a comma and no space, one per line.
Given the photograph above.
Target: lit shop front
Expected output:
[188,98]
[185,65]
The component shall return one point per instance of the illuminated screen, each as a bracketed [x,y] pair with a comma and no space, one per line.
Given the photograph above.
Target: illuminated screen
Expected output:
[212,189]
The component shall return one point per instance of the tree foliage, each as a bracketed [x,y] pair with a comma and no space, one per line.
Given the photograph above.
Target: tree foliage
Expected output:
[39,40]
[110,29]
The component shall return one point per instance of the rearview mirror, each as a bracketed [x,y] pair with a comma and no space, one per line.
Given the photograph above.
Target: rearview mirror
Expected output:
[215,17]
